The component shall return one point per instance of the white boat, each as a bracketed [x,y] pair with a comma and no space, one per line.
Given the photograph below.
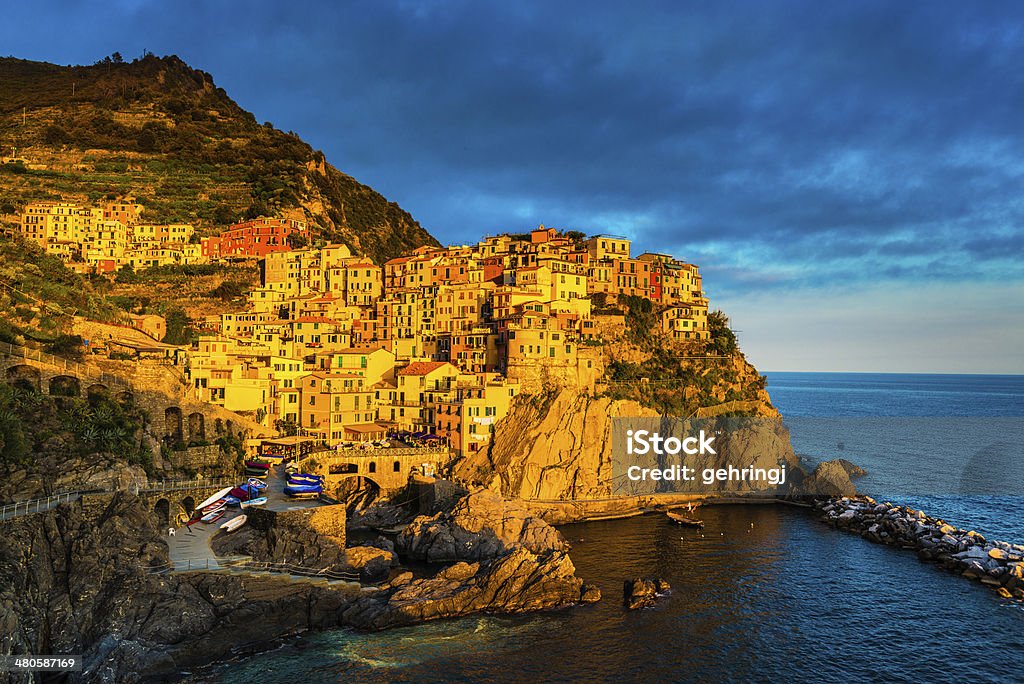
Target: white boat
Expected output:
[258,501]
[219,495]
[234,523]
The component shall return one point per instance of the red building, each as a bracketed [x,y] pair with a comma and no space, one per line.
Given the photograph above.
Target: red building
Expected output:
[255,238]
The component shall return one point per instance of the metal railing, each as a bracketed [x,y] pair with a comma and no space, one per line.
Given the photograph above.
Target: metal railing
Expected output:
[19,508]
[174,485]
[246,564]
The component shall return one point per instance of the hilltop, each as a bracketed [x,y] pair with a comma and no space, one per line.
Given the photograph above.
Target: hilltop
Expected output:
[165,133]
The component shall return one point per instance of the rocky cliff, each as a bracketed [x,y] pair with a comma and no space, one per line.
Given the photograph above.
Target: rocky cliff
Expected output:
[559,446]
[78,579]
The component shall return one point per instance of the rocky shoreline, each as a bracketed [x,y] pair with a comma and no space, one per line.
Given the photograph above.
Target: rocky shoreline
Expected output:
[997,564]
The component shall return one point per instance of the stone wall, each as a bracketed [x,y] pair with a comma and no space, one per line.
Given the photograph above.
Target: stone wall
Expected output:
[326,520]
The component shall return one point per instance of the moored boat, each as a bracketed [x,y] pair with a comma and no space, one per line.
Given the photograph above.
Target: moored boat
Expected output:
[683,520]
[304,478]
[257,483]
[258,465]
[258,501]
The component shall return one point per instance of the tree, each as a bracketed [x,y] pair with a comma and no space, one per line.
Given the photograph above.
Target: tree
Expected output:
[723,339]
[178,326]
[55,135]
[116,58]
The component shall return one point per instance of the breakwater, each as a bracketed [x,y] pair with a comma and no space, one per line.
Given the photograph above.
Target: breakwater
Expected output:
[997,564]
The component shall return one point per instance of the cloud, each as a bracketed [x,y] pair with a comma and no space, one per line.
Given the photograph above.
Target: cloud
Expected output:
[784,146]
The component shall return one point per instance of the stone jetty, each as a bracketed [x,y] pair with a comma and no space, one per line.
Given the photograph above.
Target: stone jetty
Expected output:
[997,564]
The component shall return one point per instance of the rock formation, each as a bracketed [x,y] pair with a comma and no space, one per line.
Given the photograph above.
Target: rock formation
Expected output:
[519,581]
[997,564]
[644,593]
[481,526]
[560,447]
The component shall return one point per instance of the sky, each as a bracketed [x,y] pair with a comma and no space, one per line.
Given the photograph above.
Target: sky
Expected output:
[847,175]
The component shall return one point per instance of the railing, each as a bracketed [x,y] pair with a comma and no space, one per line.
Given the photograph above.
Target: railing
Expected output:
[19,508]
[175,485]
[72,367]
[246,564]
[37,505]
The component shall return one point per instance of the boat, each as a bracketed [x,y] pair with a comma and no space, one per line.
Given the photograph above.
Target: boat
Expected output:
[256,473]
[303,489]
[683,520]
[257,483]
[212,517]
[258,465]
[234,523]
[219,495]
[258,501]
[303,478]
[215,506]
[232,500]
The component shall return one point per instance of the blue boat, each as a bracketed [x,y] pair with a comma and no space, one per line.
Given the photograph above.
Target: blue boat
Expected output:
[304,478]
[303,490]
[257,483]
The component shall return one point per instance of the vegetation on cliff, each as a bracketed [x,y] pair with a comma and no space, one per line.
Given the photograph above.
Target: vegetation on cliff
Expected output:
[35,427]
[162,131]
[39,294]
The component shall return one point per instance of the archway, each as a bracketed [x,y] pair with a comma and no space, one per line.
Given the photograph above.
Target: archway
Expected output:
[196,427]
[65,386]
[97,389]
[23,375]
[172,423]
[126,397]
[188,504]
[163,512]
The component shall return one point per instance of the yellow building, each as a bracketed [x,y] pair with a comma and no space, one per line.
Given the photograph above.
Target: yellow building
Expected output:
[603,247]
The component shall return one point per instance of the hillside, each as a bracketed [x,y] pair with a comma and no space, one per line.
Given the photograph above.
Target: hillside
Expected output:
[162,131]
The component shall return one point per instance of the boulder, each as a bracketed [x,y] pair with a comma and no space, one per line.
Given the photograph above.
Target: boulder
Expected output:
[643,593]
[481,526]
[829,478]
[518,582]
[372,563]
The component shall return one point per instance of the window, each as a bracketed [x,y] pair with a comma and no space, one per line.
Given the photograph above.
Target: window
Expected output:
[373,467]
[397,467]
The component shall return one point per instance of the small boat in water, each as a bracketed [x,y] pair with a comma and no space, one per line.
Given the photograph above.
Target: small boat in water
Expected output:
[212,517]
[683,520]
[258,501]
[234,523]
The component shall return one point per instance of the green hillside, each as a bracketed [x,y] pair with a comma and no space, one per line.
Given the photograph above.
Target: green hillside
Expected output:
[163,132]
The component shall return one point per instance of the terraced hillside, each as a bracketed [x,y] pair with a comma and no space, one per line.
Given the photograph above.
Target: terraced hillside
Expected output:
[163,132]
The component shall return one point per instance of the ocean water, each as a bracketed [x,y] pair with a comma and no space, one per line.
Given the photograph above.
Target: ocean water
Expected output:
[763,593]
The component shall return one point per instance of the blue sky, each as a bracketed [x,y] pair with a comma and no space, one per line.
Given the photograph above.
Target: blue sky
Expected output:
[848,175]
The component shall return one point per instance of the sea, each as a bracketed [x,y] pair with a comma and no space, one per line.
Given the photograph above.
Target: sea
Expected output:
[763,593]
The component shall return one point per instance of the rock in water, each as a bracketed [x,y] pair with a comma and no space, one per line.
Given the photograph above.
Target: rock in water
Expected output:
[830,478]
[643,593]
[517,582]
[481,526]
